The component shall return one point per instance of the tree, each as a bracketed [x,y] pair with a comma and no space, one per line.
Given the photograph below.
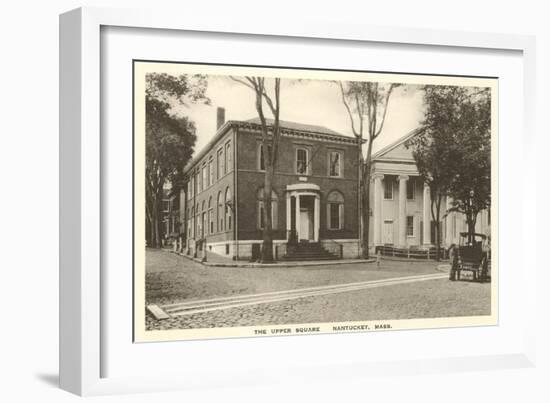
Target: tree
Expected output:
[453,151]
[367,105]
[169,140]
[435,155]
[270,144]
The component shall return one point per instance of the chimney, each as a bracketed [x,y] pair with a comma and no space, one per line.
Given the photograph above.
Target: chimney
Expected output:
[220,118]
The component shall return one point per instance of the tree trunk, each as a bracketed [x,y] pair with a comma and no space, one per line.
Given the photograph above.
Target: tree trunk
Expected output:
[365,193]
[156,225]
[267,245]
[436,217]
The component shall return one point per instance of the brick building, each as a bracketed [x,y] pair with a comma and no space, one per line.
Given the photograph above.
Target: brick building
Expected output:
[315,191]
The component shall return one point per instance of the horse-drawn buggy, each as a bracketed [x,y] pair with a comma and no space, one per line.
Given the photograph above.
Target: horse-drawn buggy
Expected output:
[473,255]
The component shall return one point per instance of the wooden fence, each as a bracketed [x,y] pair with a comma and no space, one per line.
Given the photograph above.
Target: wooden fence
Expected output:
[411,253]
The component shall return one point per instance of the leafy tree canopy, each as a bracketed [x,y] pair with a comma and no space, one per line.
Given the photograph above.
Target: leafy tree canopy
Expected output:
[169,139]
[453,150]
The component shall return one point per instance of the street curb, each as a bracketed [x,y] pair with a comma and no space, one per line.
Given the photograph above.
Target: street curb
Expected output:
[289,264]
[404,259]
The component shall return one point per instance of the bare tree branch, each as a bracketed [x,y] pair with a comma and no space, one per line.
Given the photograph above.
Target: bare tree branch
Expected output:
[386,100]
[350,114]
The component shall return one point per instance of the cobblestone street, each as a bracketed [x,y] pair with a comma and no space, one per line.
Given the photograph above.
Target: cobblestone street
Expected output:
[174,279]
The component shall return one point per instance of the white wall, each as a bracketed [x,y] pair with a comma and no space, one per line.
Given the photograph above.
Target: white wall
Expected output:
[29,202]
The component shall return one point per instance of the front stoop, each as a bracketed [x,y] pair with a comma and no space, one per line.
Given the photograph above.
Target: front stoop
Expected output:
[308,252]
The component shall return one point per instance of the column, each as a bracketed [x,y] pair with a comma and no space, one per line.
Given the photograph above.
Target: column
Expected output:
[297,217]
[288,215]
[427,216]
[448,223]
[317,217]
[479,218]
[377,209]
[402,216]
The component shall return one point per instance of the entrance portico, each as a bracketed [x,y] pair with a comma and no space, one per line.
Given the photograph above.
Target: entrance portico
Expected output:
[303,205]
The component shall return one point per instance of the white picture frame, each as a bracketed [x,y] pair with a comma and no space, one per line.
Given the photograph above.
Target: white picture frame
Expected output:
[81,174]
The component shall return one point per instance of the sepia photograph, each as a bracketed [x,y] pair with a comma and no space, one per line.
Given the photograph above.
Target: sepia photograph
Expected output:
[283,201]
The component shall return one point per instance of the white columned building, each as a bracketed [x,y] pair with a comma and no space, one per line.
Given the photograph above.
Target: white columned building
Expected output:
[401,215]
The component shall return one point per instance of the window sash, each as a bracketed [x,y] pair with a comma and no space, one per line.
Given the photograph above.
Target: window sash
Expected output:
[261,162]
[273,215]
[410,225]
[220,166]
[228,157]
[388,189]
[301,161]
[335,215]
[411,189]
[210,172]
[335,161]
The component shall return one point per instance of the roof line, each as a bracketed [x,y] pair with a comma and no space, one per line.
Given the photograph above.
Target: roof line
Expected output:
[397,143]
[239,123]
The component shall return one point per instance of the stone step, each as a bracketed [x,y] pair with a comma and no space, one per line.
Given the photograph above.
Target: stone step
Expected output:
[309,258]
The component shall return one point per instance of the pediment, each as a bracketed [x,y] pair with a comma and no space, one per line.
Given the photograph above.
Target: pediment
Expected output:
[397,150]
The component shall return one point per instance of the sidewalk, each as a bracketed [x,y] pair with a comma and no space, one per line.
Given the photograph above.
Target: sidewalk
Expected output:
[215,260]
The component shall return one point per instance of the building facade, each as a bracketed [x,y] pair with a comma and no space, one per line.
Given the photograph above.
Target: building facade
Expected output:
[315,191]
[401,204]
[315,195]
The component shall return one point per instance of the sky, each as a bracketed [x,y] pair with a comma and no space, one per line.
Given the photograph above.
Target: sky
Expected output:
[315,102]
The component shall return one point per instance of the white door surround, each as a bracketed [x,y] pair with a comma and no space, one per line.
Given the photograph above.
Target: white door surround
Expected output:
[303,228]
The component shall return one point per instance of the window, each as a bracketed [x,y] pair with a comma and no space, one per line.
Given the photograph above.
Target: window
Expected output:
[210,216]
[211,171]
[228,209]
[204,223]
[261,161]
[334,164]
[192,182]
[192,222]
[335,211]
[220,167]
[228,160]
[189,190]
[410,225]
[204,177]
[189,234]
[260,210]
[199,225]
[388,189]
[166,206]
[220,212]
[199,183]
[411,189]
[301,161]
